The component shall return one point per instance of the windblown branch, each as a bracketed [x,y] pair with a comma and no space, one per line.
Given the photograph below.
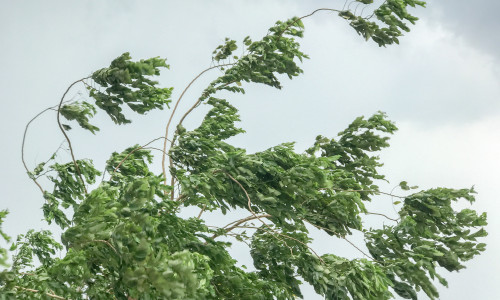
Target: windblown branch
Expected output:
[172,116]
[77,168]
[24,141]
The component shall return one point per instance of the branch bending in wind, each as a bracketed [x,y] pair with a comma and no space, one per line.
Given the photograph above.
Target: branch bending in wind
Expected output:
[172,116]
[77,168]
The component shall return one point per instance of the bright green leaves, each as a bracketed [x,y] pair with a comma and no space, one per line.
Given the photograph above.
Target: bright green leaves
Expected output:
[353,147]
[132,162]
[276,53]
[39,244]
[5,237]
[405,187]
[80,112]
[127,82]
[391,14]
[125,239]
[224,51]
[68,191]
[134,240]
[430,234]
[338,278]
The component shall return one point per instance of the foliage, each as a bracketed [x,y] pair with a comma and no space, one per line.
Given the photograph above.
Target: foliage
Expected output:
[124,239]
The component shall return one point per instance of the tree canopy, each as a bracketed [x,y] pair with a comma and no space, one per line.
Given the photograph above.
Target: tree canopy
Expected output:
[123,237]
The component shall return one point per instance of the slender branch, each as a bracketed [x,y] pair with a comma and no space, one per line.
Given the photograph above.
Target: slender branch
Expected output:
[306,16]
[379,214]
[24,141]
[172,116]
[239,222]
[365,191]
[66,136]
[352,244]
[342,237]
[201,211]
[107,243]
[37,291]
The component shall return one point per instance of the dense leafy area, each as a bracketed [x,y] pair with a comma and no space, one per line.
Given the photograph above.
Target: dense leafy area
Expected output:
[124,239]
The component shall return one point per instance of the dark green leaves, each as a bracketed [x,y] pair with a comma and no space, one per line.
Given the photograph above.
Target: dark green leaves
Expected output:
[127,82]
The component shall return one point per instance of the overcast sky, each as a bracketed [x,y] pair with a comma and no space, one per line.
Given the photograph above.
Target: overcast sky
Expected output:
[441,86]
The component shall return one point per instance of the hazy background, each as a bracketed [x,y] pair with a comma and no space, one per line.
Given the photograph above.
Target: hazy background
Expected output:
[441,86]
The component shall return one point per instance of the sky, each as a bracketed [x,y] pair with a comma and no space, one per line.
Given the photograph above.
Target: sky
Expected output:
[441,86]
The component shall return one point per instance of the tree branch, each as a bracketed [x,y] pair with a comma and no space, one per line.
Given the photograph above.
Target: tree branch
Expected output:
[24,141]
[172,116]
[77,168]
[365,191]
[240,221]
[379,214]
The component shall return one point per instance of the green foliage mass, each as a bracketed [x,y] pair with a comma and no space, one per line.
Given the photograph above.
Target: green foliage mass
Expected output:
[123,237]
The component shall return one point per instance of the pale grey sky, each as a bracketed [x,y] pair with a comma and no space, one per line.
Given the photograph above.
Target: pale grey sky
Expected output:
[441,86]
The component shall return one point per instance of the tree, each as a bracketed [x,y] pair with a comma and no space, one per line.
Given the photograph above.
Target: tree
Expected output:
[123,237]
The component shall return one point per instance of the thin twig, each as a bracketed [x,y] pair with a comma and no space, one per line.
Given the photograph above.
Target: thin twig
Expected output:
[352,244]
[379,214]
[107,243]
[364,191]
[37,291]
[342,237]
[240,221]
